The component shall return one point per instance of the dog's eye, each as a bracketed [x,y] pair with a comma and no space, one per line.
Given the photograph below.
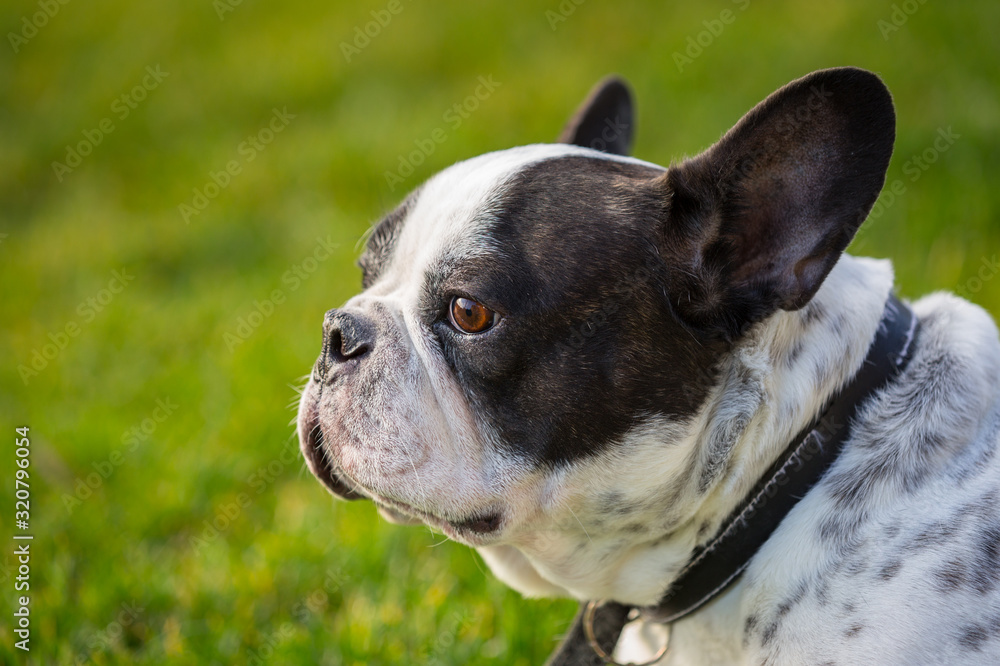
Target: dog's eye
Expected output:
[470,316]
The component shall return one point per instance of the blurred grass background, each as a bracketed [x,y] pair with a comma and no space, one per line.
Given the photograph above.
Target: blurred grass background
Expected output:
[207,542]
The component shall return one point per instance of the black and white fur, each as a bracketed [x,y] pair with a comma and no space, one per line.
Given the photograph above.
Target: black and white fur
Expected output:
[664,334]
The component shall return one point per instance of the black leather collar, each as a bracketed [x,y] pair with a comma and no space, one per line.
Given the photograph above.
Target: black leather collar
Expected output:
[720,562]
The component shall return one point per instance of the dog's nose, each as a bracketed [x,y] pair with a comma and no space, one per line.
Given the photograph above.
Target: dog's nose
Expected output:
[346,337]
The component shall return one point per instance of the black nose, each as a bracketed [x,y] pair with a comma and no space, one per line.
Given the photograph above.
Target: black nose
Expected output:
[346,337]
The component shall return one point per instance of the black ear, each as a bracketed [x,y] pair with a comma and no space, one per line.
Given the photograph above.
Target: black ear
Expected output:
[604,121]
[757,221]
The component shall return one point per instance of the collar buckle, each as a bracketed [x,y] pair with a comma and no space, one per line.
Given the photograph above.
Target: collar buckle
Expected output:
[588,630]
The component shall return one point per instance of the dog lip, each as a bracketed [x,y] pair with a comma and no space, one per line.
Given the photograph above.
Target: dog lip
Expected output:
[319,465]
[482,524]
[479,529]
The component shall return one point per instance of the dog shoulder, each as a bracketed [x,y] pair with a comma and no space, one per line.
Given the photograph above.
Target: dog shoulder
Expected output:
[897,551]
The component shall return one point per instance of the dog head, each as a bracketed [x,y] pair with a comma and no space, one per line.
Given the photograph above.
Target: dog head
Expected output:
[539,326]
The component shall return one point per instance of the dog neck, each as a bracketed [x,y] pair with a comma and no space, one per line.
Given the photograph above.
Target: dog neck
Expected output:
[779,379]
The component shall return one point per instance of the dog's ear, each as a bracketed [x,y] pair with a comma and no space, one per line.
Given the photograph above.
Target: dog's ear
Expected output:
[605,120]
[755,223]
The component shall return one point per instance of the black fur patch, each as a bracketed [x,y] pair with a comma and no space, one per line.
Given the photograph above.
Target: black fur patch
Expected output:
[973,637]
[579,283]
[770,631]
[890,569]
[382,241]
[984,569]
[936,534]
[788,604]
[951,577]
[853,630]
[749,626]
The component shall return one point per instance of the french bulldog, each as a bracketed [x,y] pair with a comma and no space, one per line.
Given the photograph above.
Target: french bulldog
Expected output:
[589,367]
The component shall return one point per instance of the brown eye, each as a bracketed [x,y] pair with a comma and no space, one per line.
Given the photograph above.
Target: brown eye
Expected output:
[470,316]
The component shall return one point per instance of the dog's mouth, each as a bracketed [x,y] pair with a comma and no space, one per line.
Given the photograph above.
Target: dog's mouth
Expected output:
[478,529]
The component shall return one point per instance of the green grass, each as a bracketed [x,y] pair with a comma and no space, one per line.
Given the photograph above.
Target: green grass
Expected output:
[294,577]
